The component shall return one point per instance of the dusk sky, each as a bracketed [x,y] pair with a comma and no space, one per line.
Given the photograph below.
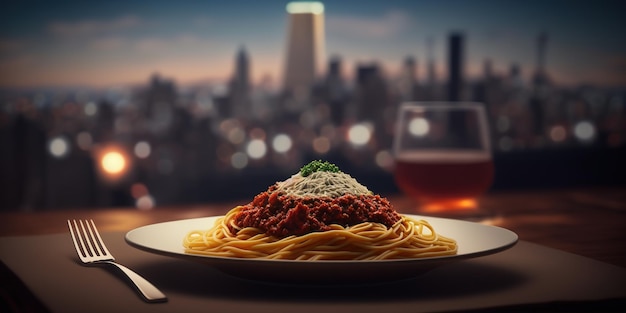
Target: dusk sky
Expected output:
[100,44]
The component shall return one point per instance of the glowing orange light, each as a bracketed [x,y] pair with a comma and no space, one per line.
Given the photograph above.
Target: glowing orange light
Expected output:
[113,162]
[450,205]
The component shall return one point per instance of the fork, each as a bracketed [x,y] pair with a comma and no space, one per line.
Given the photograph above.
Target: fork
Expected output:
[92,251]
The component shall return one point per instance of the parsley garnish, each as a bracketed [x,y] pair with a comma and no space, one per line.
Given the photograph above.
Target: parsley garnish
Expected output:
[318,166]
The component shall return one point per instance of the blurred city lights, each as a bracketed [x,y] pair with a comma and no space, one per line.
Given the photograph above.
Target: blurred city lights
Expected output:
[584,131]
[239,160]
[227,124]
[205,131]
[321,145]
[419,127]
[307,119]
[236,135]
[256,149]
[257,133]
[558,133]
[138,190]
[384,159]
[359,134]
[328,131]
[113,162]
[142,149]
[90,109]
[59,147]
[145,202]
[282,143]
[84,140]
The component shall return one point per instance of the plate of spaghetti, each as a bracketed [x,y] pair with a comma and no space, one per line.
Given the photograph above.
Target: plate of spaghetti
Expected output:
[321,226]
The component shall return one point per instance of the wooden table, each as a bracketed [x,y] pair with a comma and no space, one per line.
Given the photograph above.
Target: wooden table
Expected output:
[585,221]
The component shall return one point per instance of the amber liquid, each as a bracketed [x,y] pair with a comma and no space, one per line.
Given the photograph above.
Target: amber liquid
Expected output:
[443,176]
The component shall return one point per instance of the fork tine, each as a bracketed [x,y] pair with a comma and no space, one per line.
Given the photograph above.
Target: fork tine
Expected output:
[84,238]
[78,244]
[95,245]
[80,239]
[99,242]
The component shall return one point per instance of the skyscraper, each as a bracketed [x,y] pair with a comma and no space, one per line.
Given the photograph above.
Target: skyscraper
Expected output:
[370,95]
[242,70]
[240,85]
[541,82]
[305,41]
[455,67]
[408,81]
[431,74]
[540,77]
[431,90]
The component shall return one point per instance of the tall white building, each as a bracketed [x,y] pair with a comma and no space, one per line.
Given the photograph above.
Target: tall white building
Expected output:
[305,47]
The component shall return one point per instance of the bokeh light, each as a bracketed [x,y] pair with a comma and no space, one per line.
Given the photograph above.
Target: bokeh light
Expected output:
[239,160]
[419,127]
[256,149]
[282,143]
[145,202]
[584,131]
[113,162]
[321,145]
[359,134]
[558,133]
[138,190]
[59,147]
[84,140]
[90,109]
[142,149]
[236,135]
[384,159]
[257,133]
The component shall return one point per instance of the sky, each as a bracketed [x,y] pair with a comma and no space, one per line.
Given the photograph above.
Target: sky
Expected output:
[108,43]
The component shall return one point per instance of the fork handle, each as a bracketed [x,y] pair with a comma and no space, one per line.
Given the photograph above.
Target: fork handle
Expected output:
[147,289]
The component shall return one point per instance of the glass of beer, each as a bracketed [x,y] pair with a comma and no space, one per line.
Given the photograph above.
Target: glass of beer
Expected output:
[442,154]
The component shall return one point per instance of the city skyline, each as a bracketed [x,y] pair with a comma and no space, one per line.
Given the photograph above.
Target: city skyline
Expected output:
[74,44]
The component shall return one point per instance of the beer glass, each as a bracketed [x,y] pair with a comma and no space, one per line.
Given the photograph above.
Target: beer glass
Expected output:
[442,154]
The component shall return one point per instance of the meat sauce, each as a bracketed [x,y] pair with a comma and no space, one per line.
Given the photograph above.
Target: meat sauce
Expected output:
[282,215]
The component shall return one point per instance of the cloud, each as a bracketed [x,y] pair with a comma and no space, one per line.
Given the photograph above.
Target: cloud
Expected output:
[92,27]
[391,23]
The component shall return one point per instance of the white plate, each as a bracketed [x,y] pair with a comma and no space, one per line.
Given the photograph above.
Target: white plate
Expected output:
[473,240]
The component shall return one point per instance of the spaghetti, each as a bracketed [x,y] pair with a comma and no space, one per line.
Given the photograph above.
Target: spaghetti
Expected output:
[323,216]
